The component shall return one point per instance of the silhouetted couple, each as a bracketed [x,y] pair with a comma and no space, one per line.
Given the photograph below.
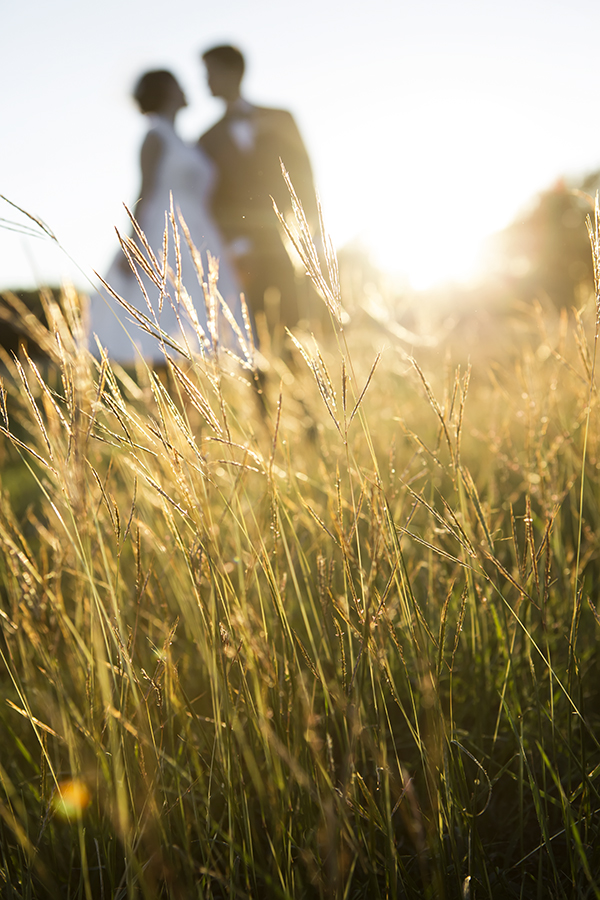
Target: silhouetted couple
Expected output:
[223,188]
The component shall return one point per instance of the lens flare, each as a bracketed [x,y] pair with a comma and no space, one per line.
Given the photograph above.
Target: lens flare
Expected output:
[71,799]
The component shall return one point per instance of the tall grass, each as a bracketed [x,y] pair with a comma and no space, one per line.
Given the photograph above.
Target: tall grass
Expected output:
[337,642]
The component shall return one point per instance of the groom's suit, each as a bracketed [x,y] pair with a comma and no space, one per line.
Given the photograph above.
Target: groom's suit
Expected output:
[246,146]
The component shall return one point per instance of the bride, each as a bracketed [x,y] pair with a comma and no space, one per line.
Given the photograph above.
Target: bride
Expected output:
[169,167]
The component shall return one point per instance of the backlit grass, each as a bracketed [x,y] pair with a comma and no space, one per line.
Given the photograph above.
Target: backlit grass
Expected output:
[335,640]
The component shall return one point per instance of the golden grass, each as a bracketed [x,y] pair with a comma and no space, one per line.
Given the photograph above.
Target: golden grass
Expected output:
[340,643]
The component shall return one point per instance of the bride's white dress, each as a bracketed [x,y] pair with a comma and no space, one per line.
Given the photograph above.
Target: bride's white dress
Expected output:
[185,172]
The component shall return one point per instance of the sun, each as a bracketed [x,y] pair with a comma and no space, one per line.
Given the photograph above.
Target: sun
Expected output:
[426,257]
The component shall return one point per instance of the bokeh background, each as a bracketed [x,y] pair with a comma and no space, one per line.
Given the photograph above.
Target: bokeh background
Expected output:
[430,126]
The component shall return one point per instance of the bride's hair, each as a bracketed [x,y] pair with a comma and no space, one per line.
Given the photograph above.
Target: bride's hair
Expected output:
[152,89]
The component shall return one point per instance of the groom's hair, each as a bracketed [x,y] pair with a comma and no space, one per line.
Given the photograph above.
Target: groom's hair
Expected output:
[152,88]
[228,56]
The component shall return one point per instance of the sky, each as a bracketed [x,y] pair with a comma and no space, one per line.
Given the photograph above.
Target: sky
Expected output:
[430,125]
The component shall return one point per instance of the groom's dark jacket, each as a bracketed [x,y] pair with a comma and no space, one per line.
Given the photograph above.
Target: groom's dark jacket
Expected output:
[248,176]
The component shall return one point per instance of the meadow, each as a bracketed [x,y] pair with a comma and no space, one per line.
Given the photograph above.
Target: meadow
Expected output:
[326,632]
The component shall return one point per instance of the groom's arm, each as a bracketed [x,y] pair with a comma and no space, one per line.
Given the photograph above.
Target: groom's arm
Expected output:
[297,162]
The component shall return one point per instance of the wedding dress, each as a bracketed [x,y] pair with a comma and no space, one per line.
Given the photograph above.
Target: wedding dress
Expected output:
[187,174]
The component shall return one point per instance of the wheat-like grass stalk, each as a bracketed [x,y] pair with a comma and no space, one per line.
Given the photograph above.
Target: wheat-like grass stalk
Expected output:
[317,652]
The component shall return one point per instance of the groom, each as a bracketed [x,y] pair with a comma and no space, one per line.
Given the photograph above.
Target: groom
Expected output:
[246,146]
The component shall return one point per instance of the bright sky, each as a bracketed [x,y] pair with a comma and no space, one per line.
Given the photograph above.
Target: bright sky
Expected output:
[429,124]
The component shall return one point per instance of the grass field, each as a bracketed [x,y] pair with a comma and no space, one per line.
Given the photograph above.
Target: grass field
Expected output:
[339,642]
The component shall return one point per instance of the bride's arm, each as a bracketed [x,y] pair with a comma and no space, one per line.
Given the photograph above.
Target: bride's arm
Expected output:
[150,157]
[152,151]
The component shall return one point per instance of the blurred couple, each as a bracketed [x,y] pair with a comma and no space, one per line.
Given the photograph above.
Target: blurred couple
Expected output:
[223,187]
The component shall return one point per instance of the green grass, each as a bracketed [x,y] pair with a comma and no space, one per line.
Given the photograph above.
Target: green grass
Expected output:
[344,647]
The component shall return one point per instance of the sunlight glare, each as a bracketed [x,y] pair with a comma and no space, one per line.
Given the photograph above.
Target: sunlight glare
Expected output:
[426,258]
[437,192]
